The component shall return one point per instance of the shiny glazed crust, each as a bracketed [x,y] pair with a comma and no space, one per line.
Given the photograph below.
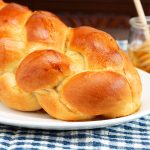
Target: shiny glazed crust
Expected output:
[72,73]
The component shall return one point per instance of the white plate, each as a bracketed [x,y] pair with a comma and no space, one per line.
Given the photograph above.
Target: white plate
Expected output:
[41,120]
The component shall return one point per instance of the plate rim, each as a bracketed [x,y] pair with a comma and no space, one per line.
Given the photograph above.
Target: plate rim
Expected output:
[63,125]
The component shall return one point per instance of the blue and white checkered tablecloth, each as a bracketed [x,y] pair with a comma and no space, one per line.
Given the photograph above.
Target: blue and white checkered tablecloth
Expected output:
[130,136]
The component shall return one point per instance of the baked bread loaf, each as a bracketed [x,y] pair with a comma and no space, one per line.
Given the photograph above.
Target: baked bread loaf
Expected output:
[72,73]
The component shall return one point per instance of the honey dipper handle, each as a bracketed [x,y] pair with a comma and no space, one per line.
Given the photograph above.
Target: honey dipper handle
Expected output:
[142,17]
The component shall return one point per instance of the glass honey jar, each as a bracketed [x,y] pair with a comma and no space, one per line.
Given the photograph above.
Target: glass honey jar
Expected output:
[139,43]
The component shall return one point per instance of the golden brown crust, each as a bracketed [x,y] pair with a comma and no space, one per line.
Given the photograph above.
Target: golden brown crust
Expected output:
[41,69]
[12,40]
[10,53]
[2,4]
[98,93]
[72,73]
[50,102]
[14,15]
[45,28]
[12,96]
[134,80]
[99,48]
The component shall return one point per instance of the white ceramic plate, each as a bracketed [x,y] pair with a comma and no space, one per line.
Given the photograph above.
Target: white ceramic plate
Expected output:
[41,120]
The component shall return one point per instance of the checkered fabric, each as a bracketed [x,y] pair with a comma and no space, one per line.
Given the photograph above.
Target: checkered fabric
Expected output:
[130,136]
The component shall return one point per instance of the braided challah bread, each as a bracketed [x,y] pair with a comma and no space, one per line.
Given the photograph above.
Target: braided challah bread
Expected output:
[72,73]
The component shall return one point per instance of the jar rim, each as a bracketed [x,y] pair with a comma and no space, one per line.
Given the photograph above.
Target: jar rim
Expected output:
[136,23]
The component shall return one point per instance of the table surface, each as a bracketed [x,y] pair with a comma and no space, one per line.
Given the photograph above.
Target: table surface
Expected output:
[131,135]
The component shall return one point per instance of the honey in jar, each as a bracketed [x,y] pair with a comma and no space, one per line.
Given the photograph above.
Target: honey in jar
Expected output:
[139,45]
